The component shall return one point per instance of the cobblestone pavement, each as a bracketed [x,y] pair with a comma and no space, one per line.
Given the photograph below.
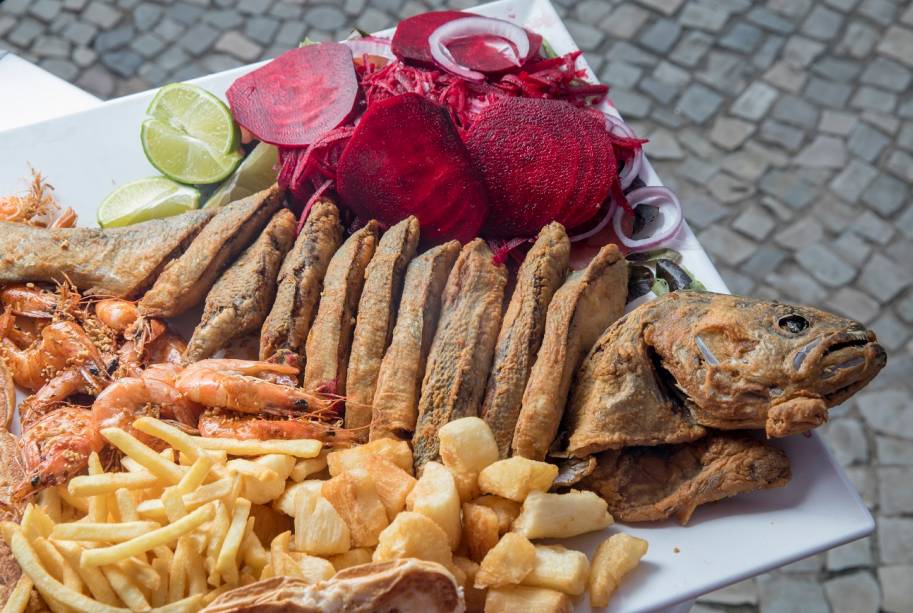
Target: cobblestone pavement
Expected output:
[786,127]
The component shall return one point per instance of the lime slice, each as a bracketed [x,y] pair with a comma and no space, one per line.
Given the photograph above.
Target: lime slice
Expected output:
[144,199]
[257,172]
[189,135]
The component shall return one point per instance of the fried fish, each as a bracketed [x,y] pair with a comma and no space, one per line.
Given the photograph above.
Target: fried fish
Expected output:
[11,475]
[121,262]
[376,318]
[239,301]
[463,346]
[542,272]
[690,360]
[186,280]
[285,330]
[330,338]
[588,301]
[654,483]
[399,381]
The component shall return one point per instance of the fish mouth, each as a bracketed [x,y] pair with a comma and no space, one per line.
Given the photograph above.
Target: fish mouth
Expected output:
[847,362]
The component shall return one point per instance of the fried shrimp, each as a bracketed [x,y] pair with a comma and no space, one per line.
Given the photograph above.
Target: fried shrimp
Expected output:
[63,345]
[56,448]
[65,384]
[238,385]
[228,425]
[30,300]
[117,314]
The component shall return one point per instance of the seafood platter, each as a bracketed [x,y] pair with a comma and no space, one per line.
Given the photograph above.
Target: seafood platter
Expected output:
[404,322]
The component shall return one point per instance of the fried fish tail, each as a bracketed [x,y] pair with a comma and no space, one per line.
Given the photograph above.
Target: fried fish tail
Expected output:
[286,328]
[376,318]
[399,380]
[463,346]
[239,301]
[582,308]
[540,275]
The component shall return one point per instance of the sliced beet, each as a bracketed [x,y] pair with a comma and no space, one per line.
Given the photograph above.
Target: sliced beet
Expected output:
[542,161]
[410,43]
[406,158]
[297,97]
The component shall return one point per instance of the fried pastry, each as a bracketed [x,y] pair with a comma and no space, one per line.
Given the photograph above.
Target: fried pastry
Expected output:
[589,300]
[376,318]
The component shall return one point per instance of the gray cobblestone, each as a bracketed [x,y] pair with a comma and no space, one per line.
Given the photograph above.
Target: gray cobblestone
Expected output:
[858,41]
[827,93]
[699,103]
[852,248]
[624,22]
[822,23]
[825,265]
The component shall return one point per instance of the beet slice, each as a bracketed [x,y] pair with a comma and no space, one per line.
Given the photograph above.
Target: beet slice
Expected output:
[410,43]
[542,161]
[297,97]
[406,158]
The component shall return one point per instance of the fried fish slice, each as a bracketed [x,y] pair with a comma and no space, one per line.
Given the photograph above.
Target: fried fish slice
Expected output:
[376,317]
[582,308]
[330,338]
[399,381]
[7,397]
[540,275]
[185,281]
[121,262]
[239,301]
[11,475]
[653,483]
[463,346]
[285,330]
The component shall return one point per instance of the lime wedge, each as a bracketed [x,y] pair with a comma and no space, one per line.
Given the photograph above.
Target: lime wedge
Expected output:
[144,199]
[257,172]
[190,136]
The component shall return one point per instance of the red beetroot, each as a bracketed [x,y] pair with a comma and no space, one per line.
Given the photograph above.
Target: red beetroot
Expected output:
[410,43]
[406,158]
[297,97]
[542,161]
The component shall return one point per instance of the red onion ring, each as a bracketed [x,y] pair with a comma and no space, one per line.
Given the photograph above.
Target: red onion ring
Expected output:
[633,166]
[475,26]
[610,212]
[370,45]
[668,205]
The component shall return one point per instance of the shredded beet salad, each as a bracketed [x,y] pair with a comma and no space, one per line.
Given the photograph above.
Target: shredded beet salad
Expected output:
[470,123]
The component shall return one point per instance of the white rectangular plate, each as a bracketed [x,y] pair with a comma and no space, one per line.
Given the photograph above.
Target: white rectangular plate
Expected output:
[87,154]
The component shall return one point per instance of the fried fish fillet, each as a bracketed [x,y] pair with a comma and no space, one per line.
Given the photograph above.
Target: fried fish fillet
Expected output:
[11,475]
[330,338]
[399,585]
[239,301]
[582,308]
[463,346]
[399,381]
[376,318]
[7,396]
[120,262]
[285,330]
[542,272]
[653,483]
[185,281]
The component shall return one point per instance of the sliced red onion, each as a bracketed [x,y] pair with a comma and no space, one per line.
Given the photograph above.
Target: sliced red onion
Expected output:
[668,206]
[632,167]
[370,45]
[610,211]
[476,26]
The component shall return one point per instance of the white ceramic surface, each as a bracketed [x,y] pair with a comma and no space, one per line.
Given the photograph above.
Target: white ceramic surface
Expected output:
[85,155]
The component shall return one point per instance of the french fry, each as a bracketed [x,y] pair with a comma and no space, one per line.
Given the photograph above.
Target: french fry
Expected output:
[126,505]
[467,447]
[161,536]
[393,484]
[125,589]
[309,466]
[299,448]
[559,568]
[78,504]
[98,505]
[155,510]
[93,485]
[167,471]
[160,595]
[217,532]
[311,568]
[507,510]
[614,558]
[253,470]
[35,522]
[435,495]
[18,599]
[319,528]
[287,504]
[177,572]
[108,532]
[277,549]
[397,452]
[480,530]
[252,550]
[213,594]
[197,474]
[49,500]
[509,599]
[140,570]
[353,557]
[263,492]
[413,535]
[173,503]
[516,477]
[196,572]
[57,564]
[561,515]
[508,562]
[177,439]
[93,578]
[228,554]
[28,560]
[187,605]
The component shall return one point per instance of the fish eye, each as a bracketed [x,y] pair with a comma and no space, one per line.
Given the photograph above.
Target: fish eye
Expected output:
[794,324]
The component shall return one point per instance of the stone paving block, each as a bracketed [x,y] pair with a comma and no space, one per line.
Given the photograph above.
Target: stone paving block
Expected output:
[624,51]
[788,188]
[901,164]
[786,76]
[887,74]
[852,555]
[871,226]
[791,594]
[778,133]
[874,99]
[702,17]
[114,39]
[662,92]
[822,23]
[895,540]
[325,17]
[372,20]
[802,51]
[823,152]
[585,35]
[741,593]
[881,11]
[742,37]
[691,49]
[235,43]
[729,246]
[666,7]
[827,93]
[624,22]
[883,278]
[897,589]
[854,593]
[729,190]
[858,41]
[261,29]
[620,74]
[852,248]
[795,110]
[769,20]
[101,15]
[631,104]
[844,71]
[754,102]
[699,103]
[754,222]
[867,142]
[892,333]
[825,265]
[892,451]
[853,180]
[897,42]
[663,146]
[730,133]
[764,261]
